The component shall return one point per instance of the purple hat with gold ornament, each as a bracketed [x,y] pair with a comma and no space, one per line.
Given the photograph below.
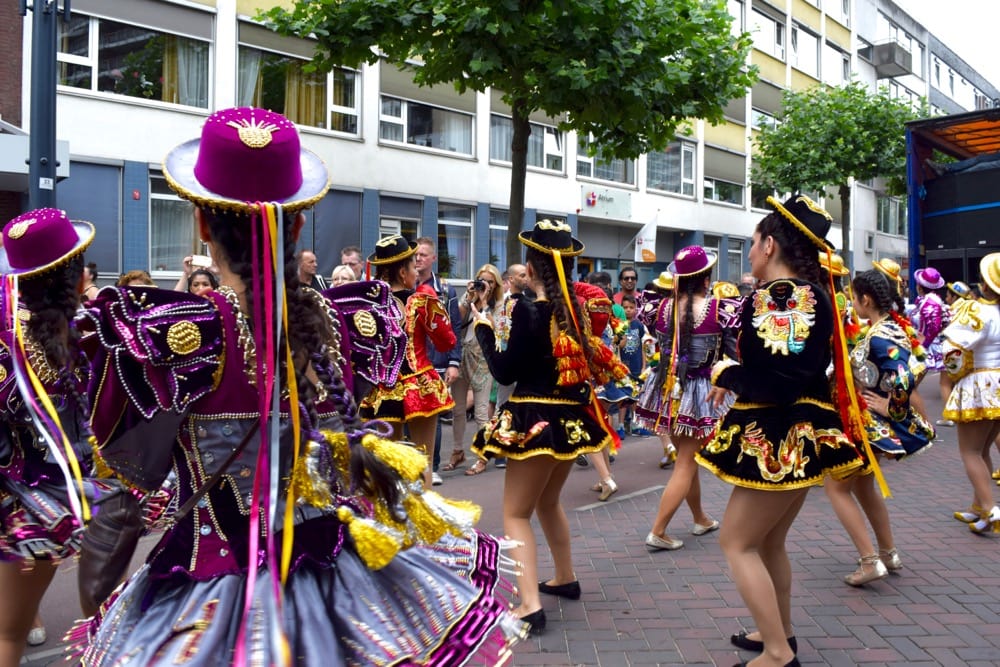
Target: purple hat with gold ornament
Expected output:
[246,155]
[928,278]
[691,260]
[42,239]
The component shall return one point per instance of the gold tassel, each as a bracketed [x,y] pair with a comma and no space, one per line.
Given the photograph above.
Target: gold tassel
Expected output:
[407,461]
[308,482]
[376,544]
[429,525]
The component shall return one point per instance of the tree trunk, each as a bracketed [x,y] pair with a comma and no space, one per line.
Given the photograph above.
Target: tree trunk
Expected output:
[845,226]
[518,173]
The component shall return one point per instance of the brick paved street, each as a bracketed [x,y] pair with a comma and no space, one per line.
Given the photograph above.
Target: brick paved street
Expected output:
[679,608]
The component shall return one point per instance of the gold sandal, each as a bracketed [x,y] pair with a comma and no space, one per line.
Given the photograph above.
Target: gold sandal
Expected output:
[476,468]
[457,459]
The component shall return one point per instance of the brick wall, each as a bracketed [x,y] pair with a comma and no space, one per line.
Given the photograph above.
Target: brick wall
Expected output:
[10,62]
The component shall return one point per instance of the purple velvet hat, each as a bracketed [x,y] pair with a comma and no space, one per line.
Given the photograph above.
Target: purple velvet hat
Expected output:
[246,155]
[929,278]
[43,239]
[691,260]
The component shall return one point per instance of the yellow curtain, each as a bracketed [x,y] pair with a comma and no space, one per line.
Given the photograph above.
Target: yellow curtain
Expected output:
[170,70]
[305,96]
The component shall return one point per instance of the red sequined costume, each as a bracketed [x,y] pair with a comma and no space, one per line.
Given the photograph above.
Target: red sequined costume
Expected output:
[420,391]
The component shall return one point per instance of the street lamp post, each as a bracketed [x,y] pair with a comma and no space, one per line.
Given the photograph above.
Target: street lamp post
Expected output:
[42,161]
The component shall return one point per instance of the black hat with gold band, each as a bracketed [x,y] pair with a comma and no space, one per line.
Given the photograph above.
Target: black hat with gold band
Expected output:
[552,235]
[807,216]
[391,249]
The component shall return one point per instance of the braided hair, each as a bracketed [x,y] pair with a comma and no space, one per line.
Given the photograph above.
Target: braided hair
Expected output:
[545,268]
[52,299]
[390,272]
[797,251]
[884,295]
[689,286]
[311,339]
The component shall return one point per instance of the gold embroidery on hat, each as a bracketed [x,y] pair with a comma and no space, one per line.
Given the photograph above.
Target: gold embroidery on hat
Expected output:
[814,207]
[554,226]
[183,337]
[18,229]
[252,134]
[388,241]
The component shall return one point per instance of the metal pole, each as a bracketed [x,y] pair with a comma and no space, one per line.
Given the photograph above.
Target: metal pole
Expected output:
[42,139]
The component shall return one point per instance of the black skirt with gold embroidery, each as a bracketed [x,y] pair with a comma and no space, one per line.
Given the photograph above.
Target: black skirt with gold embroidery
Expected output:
[783,432]
[559,426]
[780,447]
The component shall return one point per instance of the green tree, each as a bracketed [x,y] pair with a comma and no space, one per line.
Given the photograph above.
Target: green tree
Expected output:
[625,71]
[826,136]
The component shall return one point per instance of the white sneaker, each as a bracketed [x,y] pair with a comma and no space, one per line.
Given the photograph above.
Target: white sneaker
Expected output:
[36,636]
[436,479]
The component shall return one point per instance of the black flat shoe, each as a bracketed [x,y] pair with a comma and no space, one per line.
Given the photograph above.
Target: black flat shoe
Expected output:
[570,591]
[535,621]
[740,640]
[794,663]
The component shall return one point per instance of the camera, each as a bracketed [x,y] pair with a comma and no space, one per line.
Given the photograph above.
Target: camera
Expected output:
[479,285]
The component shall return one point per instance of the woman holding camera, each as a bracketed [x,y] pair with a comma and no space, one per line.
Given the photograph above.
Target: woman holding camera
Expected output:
[485,293]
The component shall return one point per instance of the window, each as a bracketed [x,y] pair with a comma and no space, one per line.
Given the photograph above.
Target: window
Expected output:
[836,65]
[278,82]
[760,118]
[805,51]
[734,260]
[768,34]
[455,241]
[672,169]
[605,169]
[171,227]
[128,59]
[840,10]
[545,144]
[713,243]
[724,191]
[736,11]
[408,122]
[891,216]
[499,221]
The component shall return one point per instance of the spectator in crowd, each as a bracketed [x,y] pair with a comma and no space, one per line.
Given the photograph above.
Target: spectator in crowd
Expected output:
[628,283]
[90,287]
[307,271]
[202,281]
[351,256]
[483,296]
[747,284]
[342,274]
[136,277]
[445,363]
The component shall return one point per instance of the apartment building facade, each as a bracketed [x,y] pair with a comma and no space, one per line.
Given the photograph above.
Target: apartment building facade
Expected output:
[138,77]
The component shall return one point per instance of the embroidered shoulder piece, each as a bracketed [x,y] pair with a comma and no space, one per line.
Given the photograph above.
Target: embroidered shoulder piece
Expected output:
[9,396]
[164,348]
[376,340]
[783,314]
[729,311]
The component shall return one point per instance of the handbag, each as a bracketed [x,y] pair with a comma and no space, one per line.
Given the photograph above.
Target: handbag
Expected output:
[112,535]
[107,547]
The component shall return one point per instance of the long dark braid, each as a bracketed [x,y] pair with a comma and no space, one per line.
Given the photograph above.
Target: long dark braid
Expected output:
[689,286]
[876,286]
[52,299]
[545,268]
[798,252]
[310,339]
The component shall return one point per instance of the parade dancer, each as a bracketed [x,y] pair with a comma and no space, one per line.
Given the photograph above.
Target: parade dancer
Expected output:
[881,362]
[300,534]
[552,417]
[972,359]
[783,434]
[46,488]
[700,333]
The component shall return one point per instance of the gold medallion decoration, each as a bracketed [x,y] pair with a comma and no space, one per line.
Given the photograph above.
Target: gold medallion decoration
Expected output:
[3,373]
[183,337]
[18,229]
[365,323]
[253,134]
